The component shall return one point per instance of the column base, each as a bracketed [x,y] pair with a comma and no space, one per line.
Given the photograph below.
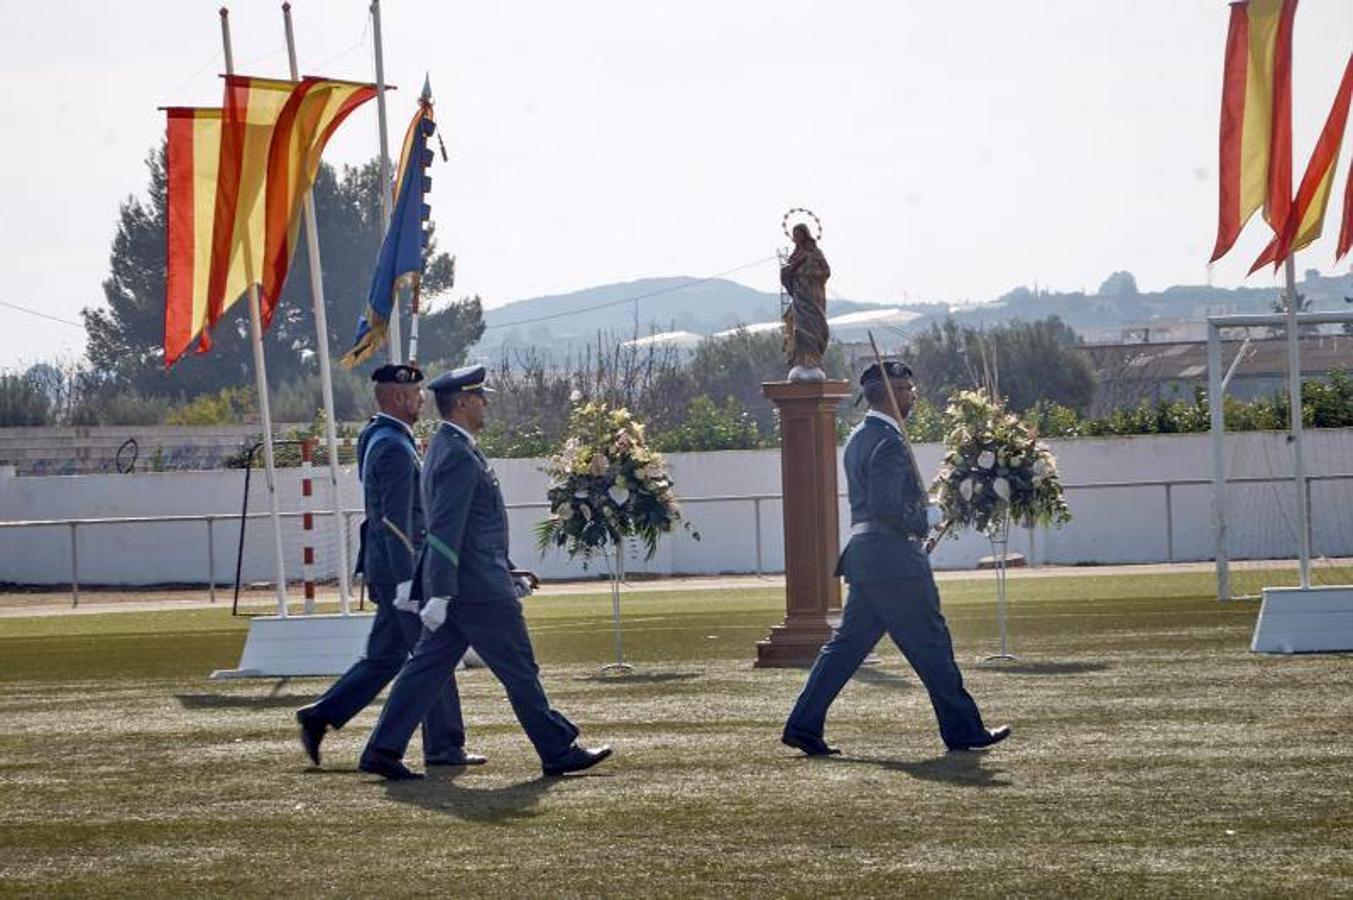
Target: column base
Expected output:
[794,644]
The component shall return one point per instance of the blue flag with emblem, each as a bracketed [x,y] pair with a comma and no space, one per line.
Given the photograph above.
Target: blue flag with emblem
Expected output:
[400,264]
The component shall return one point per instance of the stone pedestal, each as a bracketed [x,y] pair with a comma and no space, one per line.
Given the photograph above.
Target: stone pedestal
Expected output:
[812,536]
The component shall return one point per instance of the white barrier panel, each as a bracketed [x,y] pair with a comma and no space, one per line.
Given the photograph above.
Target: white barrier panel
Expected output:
[305,645]
[1311,620]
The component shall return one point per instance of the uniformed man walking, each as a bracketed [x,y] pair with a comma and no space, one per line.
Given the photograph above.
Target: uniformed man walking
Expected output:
[473,596]
[892,589]
[388,466]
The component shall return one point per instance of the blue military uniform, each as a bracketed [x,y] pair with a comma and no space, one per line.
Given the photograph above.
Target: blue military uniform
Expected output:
[465,564]
[392,535]
[892,590]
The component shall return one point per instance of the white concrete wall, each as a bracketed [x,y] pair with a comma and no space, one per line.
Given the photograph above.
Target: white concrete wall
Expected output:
[1111,525]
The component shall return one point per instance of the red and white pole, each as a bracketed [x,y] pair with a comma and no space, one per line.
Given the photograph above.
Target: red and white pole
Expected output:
[308,522]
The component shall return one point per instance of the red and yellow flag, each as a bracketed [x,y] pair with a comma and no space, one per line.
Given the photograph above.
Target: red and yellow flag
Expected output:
[314,111]
[192,151]
[1346,228]
[1306,219]
[251,110]
[1256,118]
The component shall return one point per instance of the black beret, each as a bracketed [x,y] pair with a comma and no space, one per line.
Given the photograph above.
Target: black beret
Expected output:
[393,374]
[895,370]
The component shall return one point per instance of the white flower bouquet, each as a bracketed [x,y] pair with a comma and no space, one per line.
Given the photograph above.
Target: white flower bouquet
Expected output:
[606,485]
[996,470]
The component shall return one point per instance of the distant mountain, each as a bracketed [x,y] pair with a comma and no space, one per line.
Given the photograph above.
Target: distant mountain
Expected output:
[562,323]
[635,308]
[1098,316]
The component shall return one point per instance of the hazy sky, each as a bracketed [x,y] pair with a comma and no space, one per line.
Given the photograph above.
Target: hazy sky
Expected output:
[953,150]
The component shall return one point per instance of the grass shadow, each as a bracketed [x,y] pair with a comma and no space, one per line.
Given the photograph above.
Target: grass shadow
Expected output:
[440,793]
[640,677]
[964,769]
[1042,668]
[868,675]
[229,701]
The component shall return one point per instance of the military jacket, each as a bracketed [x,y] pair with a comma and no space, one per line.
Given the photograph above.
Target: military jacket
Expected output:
[466,555]
[392,535]
[887,503]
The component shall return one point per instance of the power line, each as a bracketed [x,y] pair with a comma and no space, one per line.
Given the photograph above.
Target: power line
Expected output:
[632,298]
[34,312]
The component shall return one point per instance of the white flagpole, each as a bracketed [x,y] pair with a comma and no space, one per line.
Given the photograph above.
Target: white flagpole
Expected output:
[395,343]
[1294,422]
[322,349]
[261,376]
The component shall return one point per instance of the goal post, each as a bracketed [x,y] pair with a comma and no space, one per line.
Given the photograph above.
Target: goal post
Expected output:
[1294,478]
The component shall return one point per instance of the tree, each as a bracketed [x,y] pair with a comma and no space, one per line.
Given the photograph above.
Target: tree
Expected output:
[22,402]
[735,366]
[1025,362]
[445,334]
[1119,284]
[125,346]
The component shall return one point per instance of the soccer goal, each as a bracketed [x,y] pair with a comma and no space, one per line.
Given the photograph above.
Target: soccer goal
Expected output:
[1282,499]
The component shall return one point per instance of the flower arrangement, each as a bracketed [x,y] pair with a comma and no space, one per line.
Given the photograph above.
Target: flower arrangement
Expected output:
[606,485]
[996,471]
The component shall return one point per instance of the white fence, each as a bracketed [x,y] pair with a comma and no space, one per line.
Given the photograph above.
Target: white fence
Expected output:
[1135,500]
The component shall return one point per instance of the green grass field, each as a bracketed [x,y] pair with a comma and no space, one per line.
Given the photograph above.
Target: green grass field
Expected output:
[1152,754]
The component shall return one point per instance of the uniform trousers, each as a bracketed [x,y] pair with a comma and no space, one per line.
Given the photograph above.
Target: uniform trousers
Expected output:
[497,630]
[394,634]
[908,611]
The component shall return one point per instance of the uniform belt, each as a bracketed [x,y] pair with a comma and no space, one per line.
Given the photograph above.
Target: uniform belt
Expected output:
[881,528]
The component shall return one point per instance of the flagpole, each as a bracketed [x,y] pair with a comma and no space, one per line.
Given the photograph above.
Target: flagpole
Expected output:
[395,342]
[1294,423]
[424,102]
[261,377]
[322,349]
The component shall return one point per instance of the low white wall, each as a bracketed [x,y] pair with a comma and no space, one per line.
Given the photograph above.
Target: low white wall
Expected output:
[1122,525]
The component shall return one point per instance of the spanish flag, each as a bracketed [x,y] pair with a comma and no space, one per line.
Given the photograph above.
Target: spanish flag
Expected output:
[313,112]
[1306,219]
[1256,118]
[252,107]
[192,151]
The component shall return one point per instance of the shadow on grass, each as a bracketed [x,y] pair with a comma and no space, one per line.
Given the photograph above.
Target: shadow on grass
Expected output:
[962,769]
[868,675]
[640,677]
[274,700]
[495,806]
[1041,668]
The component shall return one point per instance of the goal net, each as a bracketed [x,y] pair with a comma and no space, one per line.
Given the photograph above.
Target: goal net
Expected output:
[253,558]
[1258,514]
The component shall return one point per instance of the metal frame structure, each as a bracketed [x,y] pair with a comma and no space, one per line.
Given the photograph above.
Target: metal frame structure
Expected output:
[1216,390]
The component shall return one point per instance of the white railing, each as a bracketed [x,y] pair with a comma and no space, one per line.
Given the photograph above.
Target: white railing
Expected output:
[73,526]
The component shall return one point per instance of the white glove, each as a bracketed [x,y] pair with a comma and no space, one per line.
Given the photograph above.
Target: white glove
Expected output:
[934,516]
[522,585]
[402,600]
[434,612]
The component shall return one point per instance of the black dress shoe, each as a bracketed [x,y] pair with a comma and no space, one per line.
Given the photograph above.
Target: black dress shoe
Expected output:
[312,731]
[458,757]
[994,736]
[388,768]
[575,759]
[810,744]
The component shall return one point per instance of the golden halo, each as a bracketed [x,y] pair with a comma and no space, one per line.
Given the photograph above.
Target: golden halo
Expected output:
[786,225]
